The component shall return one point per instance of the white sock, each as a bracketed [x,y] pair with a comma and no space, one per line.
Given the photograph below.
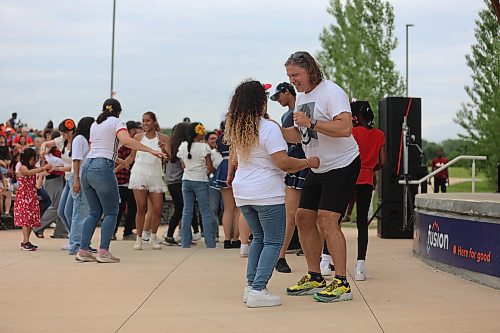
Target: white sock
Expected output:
[243,246]
[361,265]
[325,260]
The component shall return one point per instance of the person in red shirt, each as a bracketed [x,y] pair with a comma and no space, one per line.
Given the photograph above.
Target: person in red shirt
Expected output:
[441,178]
[371,143]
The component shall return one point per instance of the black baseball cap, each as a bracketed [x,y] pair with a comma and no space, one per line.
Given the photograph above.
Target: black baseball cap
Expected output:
[282,87]
[111,104]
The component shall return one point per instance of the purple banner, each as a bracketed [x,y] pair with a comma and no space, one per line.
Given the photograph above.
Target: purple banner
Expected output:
[470,245]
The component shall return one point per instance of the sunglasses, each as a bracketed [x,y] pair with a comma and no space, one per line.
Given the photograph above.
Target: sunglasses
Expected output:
[298,56]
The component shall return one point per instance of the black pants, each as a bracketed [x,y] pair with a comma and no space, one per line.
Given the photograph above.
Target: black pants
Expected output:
[175,191]
[126,199]
[439,183]
[363,200]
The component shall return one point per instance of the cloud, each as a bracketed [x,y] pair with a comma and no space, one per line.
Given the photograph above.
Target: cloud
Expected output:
[184,58]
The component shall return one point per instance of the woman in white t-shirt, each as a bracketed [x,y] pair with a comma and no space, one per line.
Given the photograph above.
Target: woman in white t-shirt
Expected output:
[80,211]
[56,183]
[195,156]
[99,182]
[258,185]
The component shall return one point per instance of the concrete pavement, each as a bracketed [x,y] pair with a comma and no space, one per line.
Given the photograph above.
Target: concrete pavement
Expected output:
[200,290]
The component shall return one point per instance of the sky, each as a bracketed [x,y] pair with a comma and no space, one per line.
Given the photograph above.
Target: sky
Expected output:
[185,58]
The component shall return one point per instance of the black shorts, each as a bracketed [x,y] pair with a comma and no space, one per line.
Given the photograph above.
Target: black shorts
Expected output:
[331,190]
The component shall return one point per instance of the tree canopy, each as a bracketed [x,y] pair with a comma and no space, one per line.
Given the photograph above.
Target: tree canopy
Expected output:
[480,116]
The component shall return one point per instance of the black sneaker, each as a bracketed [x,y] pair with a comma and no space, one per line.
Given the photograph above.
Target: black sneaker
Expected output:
[236,244]
[169,241]
[28,247]
[227,244]
[282,266]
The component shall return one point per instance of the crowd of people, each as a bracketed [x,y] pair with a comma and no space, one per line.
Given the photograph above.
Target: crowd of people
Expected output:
[263,177]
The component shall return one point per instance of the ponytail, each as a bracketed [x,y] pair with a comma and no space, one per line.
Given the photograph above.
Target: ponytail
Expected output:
[194,130]
[110,108]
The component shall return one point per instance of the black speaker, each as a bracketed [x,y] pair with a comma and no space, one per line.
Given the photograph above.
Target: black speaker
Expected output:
[391,113]
[390,193]
[391,222]
[389,188]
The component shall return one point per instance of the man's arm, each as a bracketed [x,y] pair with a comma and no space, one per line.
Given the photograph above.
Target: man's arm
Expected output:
[339,126]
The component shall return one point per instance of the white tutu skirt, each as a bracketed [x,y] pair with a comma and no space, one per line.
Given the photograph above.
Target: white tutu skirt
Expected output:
[153,184]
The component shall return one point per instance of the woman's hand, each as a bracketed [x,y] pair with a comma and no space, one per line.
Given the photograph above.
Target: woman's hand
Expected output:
[313,162]
[76,185]
[158,154]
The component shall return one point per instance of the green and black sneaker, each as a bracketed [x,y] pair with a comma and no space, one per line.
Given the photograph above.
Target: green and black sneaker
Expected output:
[306,286]
[335,292]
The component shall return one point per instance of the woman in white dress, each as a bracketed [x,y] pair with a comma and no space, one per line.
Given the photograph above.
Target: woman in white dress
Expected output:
[146,178]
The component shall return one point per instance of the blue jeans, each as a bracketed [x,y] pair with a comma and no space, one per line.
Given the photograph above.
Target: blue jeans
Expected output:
[80,211]
[191,191]
[268,228]
[100,187]
[65,208]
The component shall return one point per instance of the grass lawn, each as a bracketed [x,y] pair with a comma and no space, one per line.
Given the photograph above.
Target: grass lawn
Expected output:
[466,187]
[459,172]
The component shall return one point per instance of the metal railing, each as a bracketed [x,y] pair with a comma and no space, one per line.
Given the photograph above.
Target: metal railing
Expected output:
[453,161]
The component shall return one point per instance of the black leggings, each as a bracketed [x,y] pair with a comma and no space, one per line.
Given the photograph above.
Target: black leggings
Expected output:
[175,191]
[363,200]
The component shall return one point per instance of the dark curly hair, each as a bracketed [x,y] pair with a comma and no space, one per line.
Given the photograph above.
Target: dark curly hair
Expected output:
[243,118]
[304,60]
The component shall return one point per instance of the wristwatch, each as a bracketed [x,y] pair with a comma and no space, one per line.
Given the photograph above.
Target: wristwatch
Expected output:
[313,123]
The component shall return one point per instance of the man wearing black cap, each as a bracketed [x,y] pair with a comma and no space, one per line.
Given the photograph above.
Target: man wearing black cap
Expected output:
[126,194]
[285,95]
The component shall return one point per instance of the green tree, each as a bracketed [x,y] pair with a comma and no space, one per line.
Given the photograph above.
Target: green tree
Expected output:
[480,117]
[356,50]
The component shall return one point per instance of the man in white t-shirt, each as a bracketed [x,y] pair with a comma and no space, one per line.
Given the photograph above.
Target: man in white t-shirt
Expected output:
[323,125]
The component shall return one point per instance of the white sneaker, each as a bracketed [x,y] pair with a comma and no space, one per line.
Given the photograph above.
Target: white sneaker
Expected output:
[247,290]
[196,236]
[138,244]
[153,241]
[146,235]
[263,298]
[177,236]
[360,275]
[244,250]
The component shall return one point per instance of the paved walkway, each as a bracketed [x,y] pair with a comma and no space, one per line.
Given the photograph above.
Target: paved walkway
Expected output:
[200,290]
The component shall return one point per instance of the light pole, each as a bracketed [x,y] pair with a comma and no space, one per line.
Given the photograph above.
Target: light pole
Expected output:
[407,26]
[113,49]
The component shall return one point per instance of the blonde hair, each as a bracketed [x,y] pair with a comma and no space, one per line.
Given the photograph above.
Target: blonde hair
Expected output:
[243,118]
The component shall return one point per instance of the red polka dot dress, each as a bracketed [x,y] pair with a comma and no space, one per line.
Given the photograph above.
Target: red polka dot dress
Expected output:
[26,206]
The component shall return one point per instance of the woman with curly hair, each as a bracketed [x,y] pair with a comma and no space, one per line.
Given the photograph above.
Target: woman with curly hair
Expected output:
[258,186]
[195,156]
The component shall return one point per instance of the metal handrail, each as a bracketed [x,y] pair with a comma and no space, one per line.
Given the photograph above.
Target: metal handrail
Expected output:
[453,161]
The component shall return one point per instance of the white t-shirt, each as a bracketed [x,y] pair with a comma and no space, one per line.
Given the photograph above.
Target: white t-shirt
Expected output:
[80,148]
[195,167]
[323,103]
[59,141]
[104,142]
[258,181]
[216,158]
